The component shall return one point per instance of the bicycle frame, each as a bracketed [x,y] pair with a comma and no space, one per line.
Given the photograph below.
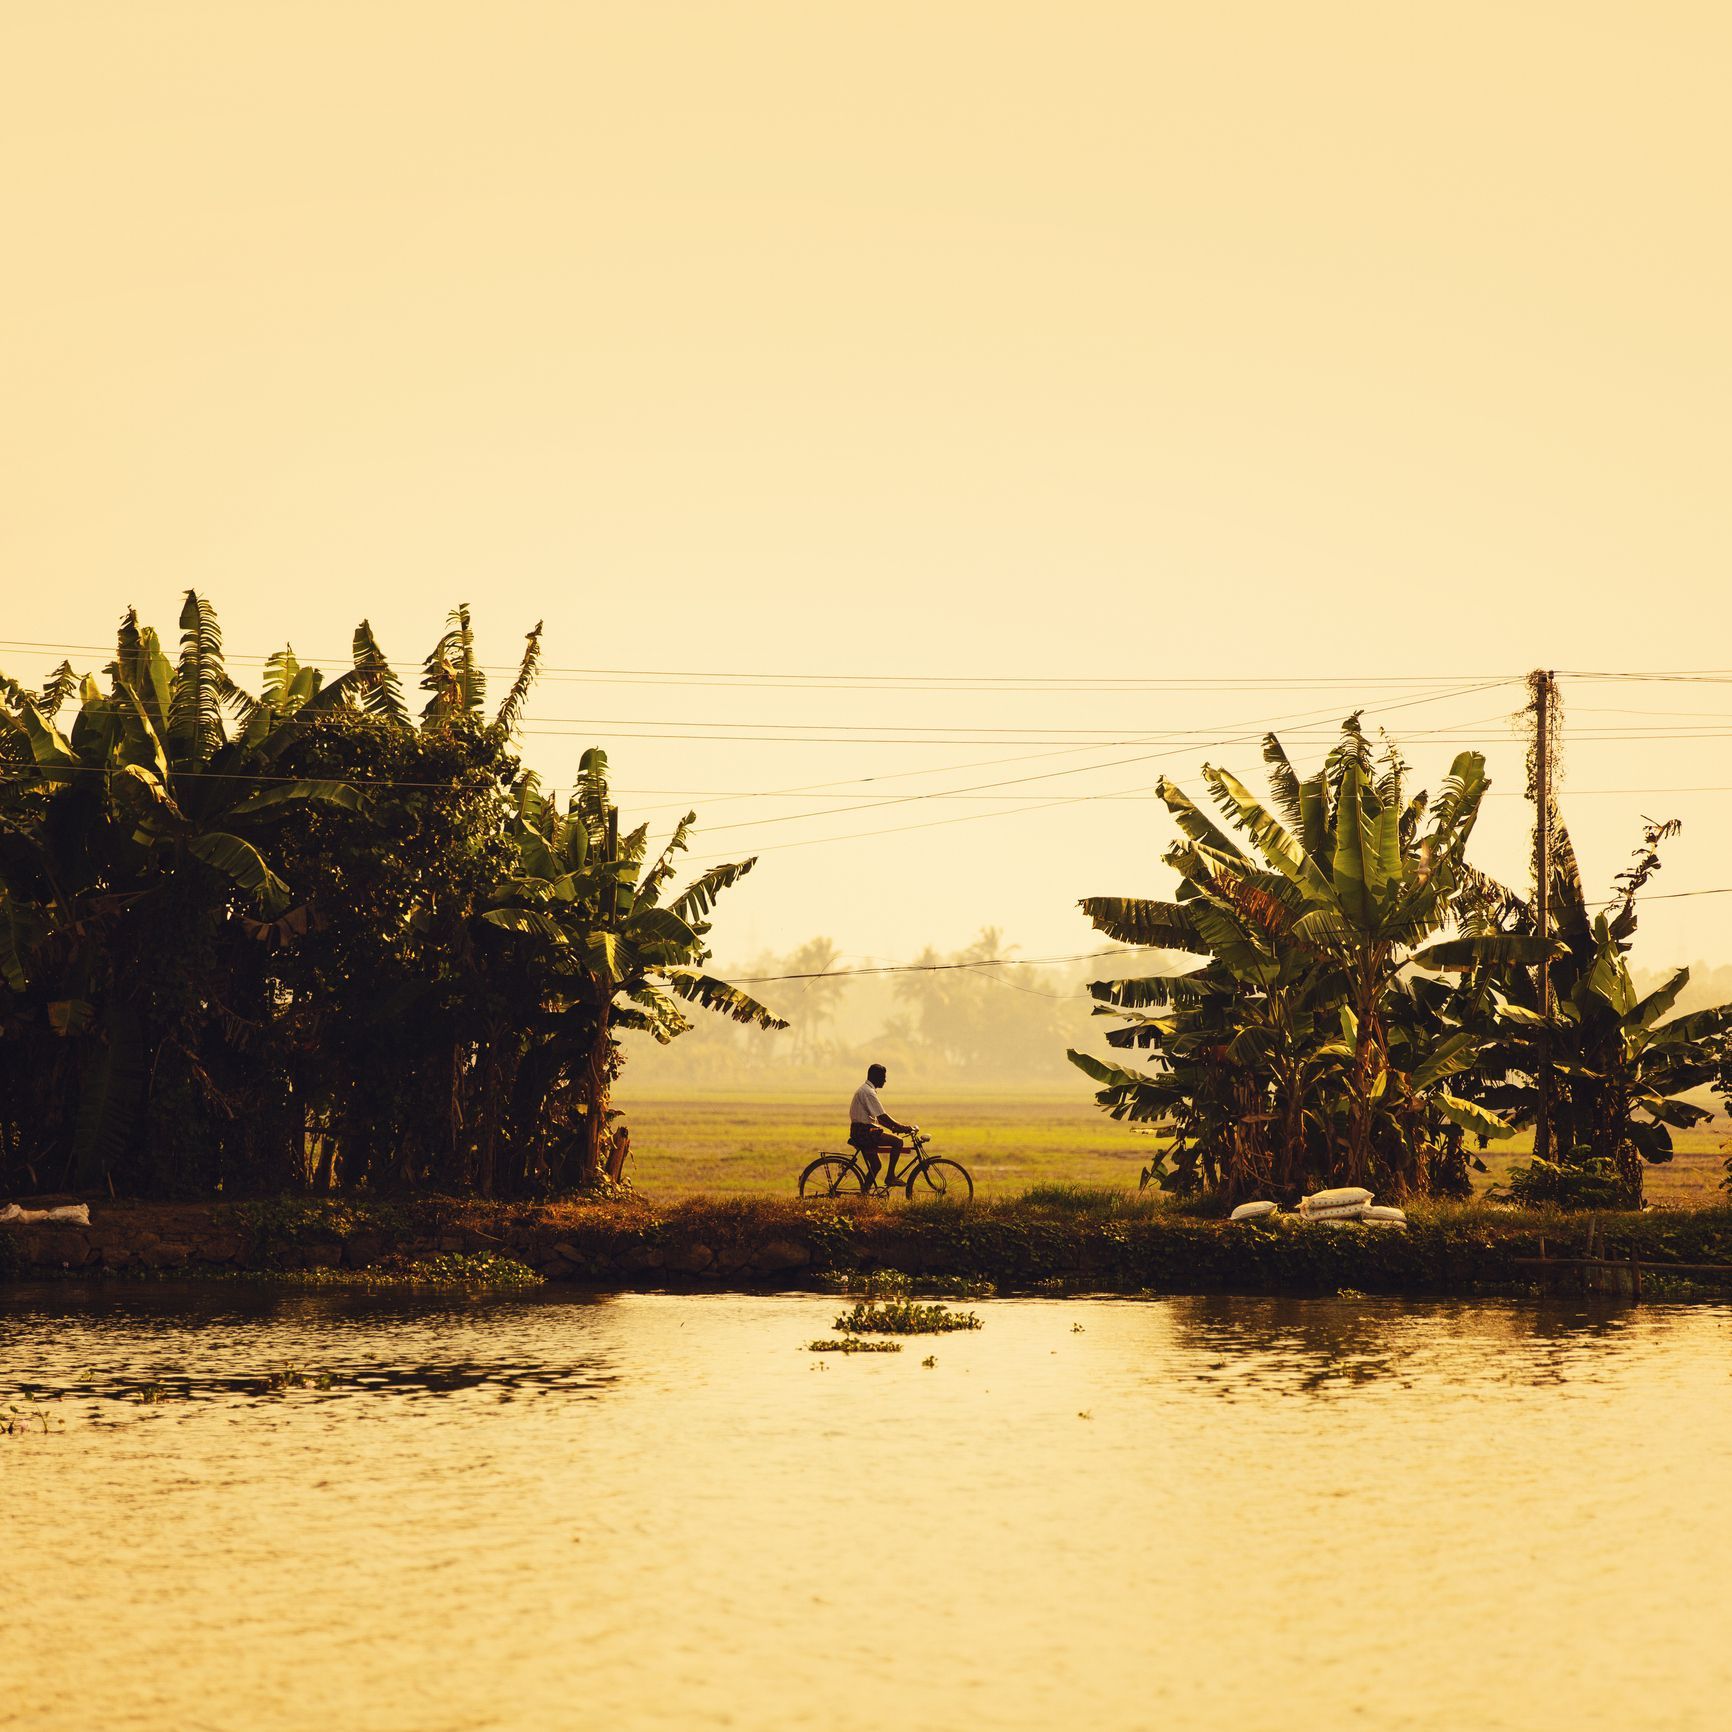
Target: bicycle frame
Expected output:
[849,1170]
[915,1146]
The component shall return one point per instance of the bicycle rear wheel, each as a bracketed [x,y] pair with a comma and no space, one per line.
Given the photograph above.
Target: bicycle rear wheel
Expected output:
[934,1179]
[832,1176]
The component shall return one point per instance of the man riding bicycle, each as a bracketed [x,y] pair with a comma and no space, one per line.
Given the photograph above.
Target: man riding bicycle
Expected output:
[871,1130]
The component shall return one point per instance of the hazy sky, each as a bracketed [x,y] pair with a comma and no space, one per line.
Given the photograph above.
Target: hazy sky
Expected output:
[1184,357]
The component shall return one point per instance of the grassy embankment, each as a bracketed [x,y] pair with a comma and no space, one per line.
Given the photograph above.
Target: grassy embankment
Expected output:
[1057,1209]
[1050,1239]
[756,1144]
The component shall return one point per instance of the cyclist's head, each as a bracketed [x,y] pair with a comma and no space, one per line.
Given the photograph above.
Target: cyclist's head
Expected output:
[877,1075]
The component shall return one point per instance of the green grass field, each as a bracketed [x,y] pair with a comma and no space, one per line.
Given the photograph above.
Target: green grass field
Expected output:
[755,1145]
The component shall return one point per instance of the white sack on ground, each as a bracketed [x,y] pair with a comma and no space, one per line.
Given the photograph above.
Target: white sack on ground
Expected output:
[1336,1212]
[77,1213]
[1341,1196]
[1252,1212]
[1385,1212]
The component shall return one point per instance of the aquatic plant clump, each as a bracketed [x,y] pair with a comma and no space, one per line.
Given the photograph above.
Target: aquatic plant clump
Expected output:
[853,1344]
[448,1269]
[904,1317]
[894,1284]
[294,1377]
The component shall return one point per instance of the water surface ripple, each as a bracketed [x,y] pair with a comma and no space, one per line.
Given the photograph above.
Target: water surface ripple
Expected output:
[372,1513]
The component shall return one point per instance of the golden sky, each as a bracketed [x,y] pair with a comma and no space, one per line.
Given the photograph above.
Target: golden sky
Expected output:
[1246,345]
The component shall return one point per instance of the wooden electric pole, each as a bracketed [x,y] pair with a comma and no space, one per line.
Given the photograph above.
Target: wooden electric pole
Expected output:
[612,889]
[1540,682]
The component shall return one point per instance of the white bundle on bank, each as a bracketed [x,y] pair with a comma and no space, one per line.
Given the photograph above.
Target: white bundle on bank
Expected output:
[1252,1212]
[1344,1203]
[76,1213]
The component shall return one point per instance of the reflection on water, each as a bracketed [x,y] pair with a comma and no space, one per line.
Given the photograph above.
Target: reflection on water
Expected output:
[383,1512]
[181,1346]
[1306,1347]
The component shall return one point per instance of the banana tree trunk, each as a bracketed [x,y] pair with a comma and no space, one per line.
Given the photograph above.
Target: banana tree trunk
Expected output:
[1291,1154]
[597,1092]
[1369,1060]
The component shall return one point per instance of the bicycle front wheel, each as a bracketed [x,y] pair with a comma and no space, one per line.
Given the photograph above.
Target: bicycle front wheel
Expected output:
[936,1179]
[832,1176]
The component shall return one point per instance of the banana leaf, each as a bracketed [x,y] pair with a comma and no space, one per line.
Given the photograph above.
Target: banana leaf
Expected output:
[1478,1120]
[240,862]
[725,1000]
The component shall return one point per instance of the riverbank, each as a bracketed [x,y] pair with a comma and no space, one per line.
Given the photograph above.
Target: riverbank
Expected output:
[1056,1240]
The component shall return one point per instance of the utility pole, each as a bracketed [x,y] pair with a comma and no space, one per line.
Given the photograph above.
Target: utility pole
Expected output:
[1540,683]
[612,896]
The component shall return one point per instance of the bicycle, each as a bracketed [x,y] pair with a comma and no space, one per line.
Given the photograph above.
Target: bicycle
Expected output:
[845,1176]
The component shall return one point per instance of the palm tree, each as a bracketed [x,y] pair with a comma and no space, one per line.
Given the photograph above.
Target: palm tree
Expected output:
[820,992]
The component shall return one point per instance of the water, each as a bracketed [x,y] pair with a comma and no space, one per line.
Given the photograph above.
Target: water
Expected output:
[657,1511]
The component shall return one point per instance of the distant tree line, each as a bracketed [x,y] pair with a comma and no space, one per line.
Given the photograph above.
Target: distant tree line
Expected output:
[942,1020]
[310,937]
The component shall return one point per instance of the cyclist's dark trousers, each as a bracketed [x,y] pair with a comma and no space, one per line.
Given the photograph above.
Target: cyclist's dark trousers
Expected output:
[871,1141]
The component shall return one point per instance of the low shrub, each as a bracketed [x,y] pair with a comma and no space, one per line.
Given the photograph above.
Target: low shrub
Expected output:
[1588,1184]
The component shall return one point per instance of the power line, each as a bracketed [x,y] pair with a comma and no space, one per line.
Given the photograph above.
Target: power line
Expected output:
[1445,737]
[900,829]
[1139,793]
[1297,717]
[1677,895]
[1105,736]
[1162,746]
[1036,805]
[1122,795]
[1604,710]
[1066,749]
[51,773]
[995,791]
[938,967]
[786,679]
[1674,676]
[48,775]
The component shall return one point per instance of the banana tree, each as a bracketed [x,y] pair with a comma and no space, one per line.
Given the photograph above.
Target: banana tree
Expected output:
[1617,1065]
[310,936]
[1237,1081]
[106,826]
[1315,919]
[618,950]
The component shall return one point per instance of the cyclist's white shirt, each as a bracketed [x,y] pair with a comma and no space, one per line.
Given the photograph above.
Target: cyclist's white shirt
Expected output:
[865,1108]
